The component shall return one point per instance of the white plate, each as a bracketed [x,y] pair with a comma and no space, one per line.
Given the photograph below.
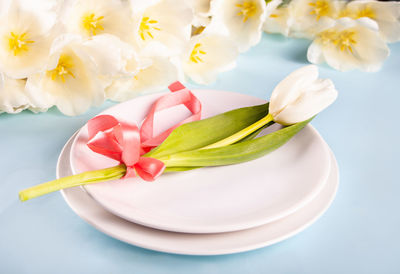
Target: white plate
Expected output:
[211,200]
[195,244]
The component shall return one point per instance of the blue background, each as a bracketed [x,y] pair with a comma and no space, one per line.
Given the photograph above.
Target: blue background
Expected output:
[358,234]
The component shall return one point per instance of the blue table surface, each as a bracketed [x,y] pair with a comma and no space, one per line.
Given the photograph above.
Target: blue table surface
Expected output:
[358,234]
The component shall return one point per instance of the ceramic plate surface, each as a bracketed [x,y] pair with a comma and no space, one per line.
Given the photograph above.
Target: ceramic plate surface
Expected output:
[210,200]
[195,244]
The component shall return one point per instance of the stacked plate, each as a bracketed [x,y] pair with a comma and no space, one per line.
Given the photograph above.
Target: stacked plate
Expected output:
[207,211]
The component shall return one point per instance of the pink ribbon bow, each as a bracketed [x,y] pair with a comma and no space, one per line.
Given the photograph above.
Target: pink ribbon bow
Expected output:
[123,142]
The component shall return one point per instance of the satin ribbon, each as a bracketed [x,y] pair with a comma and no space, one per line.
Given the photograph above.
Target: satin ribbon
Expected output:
[180,95]
[125,143]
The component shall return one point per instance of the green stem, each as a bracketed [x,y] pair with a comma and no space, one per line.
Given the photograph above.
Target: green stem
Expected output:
[242,133]
[84,178]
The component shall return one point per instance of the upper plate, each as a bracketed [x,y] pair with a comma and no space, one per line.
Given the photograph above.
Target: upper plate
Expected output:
[210,200]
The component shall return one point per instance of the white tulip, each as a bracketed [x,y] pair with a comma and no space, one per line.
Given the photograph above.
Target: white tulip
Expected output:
[80,70]
[25,38]
[93,17]
[166,23]
[13,97]
[297,98]
[300,96]
[242,20]
[70,81]
[386,14]
[208,54]
[349,44]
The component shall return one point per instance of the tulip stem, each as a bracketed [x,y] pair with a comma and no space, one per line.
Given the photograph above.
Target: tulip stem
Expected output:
[89,177]
[242,133]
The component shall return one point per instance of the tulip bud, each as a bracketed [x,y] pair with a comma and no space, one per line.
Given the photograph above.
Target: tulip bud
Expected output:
[300,96]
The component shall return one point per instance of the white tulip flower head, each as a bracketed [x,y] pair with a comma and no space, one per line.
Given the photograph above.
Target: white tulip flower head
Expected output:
[25,39]
[385,14]
[93,17]
[166,23]
[242,20]
[349,44]
[300,96]
[208,54]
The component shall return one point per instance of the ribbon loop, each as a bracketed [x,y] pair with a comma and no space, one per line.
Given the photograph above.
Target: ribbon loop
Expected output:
[180,95]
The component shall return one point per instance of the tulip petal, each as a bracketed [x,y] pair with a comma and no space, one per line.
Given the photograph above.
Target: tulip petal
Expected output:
[216,54]
[290,88]
[320,95]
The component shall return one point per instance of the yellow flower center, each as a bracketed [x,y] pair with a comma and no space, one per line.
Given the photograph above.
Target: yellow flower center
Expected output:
[196,54]
[92,24]
[274,15]
[247,9]
[367,11]
[146,28]
[63,69]
[320,8]
[18,43]
[345,39]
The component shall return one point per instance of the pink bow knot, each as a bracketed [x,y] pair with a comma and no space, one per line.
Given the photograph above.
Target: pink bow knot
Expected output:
[121,142]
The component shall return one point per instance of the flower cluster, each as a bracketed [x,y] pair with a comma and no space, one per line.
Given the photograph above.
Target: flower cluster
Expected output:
[346,35]
[76,54]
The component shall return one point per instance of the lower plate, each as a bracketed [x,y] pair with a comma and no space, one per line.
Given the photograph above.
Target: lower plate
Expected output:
[194,244]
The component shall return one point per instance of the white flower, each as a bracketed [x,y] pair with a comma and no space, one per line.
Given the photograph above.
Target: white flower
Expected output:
[92,17]
[242,20]
[300,96]
[349,44]
[208,54]
[386,14]
[13,98]
[310,16]
[154,76]
[25,38]
[70,81]
[278,20]
[166,23]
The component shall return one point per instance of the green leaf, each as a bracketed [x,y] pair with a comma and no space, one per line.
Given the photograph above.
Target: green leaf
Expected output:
[186,168]
[201,133]
[236,153]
